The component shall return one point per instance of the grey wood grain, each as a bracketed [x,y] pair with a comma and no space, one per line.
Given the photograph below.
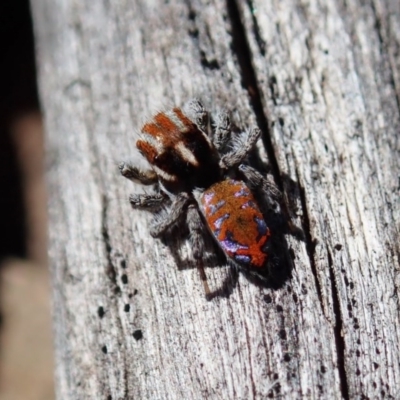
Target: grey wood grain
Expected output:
[322,81]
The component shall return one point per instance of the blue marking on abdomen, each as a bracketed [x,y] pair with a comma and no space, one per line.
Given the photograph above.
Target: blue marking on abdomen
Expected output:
[261,226]
[216,207]
[231,245]
[220,220]
[242,259]
[249,204]
[242,192]
[218,223]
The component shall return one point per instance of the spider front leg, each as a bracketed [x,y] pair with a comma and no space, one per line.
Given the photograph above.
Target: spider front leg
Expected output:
[165,220]
[196,232]
[134,174]
[196,111]
[241,147]
[222,130]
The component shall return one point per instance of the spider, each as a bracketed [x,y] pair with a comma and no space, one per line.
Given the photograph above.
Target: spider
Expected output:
[200,173]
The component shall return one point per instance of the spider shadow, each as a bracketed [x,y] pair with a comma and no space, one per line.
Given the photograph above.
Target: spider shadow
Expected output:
[214,257]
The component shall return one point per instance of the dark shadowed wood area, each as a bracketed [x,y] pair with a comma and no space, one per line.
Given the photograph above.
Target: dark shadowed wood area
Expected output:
[322,81]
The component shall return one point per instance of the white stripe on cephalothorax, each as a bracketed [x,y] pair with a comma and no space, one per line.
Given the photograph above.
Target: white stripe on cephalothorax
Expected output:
[183,128]
[153,141]
[186,154]
[177,121]
[164,175]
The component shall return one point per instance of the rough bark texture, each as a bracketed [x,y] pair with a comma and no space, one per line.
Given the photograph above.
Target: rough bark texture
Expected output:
[322,81]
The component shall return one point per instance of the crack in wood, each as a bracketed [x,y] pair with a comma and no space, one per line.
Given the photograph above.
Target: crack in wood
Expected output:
[339,340]
[112,274]
[240,47]
[310,243]
[111,268]
[262,45]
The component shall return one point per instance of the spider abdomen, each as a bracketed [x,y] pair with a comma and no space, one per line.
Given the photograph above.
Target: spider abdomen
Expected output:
[232,215]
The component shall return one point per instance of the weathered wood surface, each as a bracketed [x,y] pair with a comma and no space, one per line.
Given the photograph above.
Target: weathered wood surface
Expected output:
[322,80]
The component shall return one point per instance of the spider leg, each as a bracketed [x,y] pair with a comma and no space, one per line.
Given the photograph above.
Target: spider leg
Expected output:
[222,130]
[258,183]
[241,146]
[147,202]
[148,177]
[271,196]
[196,229]
[163,221]
[196,111]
